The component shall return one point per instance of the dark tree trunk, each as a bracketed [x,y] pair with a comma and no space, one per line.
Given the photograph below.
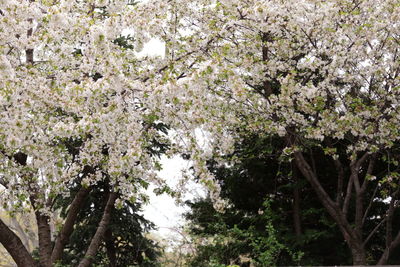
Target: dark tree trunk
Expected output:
[111,253]
[99,235]
[359,257]
[389,249]
[44,234]
[351,236]
[14,246]
[68,227]
[296,203]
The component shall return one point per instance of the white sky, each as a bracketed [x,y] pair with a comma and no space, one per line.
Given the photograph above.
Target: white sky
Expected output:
[152,48]
[162,210]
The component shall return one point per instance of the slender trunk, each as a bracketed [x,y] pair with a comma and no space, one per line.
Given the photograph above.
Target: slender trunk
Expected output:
[44,234]
[389,235]
[296,203]
[111,253]
[340,181]
[385,257]
[359,257]
[14,246]
[68,227]
[44,231]
[389,249]
[359,199]
[108,235]
[359,215]
[99,235]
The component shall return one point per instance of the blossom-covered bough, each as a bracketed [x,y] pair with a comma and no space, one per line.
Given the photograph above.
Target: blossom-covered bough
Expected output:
[78,107]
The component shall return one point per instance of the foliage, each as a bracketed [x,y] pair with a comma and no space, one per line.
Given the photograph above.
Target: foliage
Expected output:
[243,246]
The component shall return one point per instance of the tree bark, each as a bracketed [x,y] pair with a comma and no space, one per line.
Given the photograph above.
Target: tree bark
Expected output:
[44,231]
[296,202]
[390,243]
[68,227]
[44,234]
[111,253]
[14,246]
[29,51]
[388,250]
[99,235]
[359,257]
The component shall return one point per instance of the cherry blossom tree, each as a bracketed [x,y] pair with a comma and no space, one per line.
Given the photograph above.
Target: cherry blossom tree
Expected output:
[75,110]
[322,75]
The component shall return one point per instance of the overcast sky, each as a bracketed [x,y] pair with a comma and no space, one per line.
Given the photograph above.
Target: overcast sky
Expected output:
[162,210]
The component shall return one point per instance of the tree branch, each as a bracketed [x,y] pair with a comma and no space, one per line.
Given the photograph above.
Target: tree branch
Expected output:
[390,243]
[389,224]
[370,169]
[3,183]
[370,203]
[374,230]
[347,197]
[339,193]
[386,254]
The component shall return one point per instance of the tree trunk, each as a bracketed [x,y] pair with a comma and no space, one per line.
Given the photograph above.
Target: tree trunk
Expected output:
[14,246]
[296,202]
[99,235]
[68,227]
[389,249]
[44,234]
[359,257]
[111,253]
[385,257]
